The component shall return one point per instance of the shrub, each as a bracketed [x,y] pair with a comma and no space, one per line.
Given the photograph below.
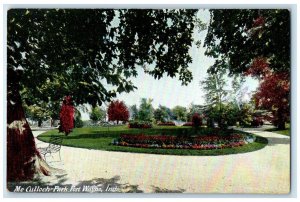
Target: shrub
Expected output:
[169,123]
[257,121]
[196,120]
[78,123]
[140,124]
[97,114]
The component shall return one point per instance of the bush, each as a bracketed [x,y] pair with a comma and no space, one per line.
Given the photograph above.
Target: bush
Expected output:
[97,114]
[169,123]
[257,121]
[78,123]
[140,124]
[196,120]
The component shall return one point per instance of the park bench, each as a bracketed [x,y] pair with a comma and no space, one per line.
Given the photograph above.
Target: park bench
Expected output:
[53,147]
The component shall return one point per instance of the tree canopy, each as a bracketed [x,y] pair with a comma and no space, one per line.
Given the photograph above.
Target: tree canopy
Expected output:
[117,111]
[161,114]
[87,50]
[146,110]
[238,36]
[97,114]
[180,113]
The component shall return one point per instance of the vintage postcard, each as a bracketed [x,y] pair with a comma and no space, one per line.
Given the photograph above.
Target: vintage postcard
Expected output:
[148,100]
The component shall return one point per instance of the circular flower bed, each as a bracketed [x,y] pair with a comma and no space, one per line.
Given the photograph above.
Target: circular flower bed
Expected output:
[174,142]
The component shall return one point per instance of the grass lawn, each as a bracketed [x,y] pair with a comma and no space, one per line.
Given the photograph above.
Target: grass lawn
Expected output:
[100,138]
[286,132]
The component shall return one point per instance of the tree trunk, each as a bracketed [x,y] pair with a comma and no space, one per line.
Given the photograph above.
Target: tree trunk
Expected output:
[51,122]
[281,120]
[23,158]
[40,123]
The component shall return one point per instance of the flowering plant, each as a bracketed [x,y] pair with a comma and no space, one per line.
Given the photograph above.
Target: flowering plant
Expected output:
[140,124]
[172,142]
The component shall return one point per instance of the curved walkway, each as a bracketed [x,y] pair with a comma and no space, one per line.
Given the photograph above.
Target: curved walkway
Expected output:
[263,171]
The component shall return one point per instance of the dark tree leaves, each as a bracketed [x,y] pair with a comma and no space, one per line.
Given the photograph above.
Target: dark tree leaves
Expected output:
[86,50]
[237,36]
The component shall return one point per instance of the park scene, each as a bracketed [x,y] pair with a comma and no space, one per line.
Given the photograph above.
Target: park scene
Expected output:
[148,101]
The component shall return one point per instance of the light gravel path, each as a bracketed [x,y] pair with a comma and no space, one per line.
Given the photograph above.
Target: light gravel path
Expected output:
[263,171]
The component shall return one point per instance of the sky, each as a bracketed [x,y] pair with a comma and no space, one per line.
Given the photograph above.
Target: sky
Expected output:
[169,91]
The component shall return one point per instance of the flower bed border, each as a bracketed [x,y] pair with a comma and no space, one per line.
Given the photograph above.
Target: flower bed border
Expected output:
[207,142]
[137,124]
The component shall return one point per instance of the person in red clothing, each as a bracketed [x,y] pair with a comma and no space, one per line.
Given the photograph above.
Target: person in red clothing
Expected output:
[66,115]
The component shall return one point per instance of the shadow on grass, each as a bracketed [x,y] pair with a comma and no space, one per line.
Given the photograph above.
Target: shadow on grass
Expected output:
[286,132]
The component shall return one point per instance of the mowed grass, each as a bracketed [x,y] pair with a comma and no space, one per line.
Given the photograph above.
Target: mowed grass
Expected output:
[100,138]
[286,132]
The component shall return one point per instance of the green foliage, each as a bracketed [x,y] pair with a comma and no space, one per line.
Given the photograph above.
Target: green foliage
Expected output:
[36,113]
[200,109]
[214,88]
[134,112]
[161,114]
[215,96]
[229,114]
[180,113]
[146,110]
[97,114]
[78,121]
[51,107]
[237,36]
[246,114]
[286,132]
[79,51]
[140,124]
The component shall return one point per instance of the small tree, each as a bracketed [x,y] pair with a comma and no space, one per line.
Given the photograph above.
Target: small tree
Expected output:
[197,121]
[117,111]
[134,112]
[274,91]
[180,113]
[78,121]
[146,111]
[66,115]
[161,114]
[36,113]
[97,114]
[273,94]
